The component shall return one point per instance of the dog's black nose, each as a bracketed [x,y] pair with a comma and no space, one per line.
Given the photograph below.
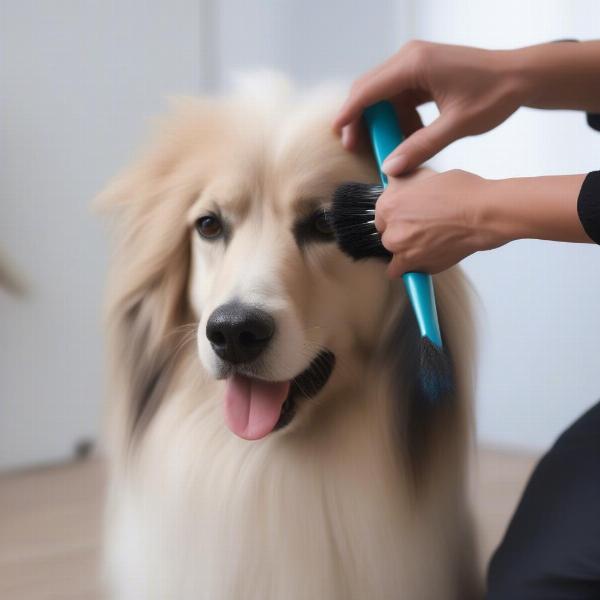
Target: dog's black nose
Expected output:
[239,333]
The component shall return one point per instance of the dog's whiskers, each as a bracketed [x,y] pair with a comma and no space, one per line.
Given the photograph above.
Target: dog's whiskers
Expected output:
[187,331]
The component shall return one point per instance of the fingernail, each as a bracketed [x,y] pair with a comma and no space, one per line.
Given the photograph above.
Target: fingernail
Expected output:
[394,165]
[345,137]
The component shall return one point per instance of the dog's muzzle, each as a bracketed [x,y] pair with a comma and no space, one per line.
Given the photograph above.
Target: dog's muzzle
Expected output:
[254,405]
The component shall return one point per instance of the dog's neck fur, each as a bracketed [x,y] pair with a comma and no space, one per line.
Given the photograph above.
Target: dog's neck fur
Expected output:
[332,489]
[293,515]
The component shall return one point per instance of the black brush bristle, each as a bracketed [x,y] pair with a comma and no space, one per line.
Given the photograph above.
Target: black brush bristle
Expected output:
[435,372]
[353,218]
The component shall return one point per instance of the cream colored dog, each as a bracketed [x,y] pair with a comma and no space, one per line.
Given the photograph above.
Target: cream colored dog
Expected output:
[265,442]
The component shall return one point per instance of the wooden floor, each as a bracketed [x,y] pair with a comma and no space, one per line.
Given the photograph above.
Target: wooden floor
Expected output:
[50,523]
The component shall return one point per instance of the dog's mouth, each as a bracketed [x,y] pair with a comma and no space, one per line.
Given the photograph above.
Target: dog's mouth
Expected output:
[255,407]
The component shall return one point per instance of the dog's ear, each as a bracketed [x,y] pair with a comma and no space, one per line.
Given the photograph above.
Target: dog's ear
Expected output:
[428,434]
[147,302]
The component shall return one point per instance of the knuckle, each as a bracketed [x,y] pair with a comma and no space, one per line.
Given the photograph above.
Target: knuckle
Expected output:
[384,214]
[413,45]
[383,204]
[456,173]
[395,243]
[418,49]
[387,242]
[357,88]
[385,239]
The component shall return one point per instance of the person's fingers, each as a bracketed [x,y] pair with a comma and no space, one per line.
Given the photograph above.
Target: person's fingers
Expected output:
[409,118]
[383,210]
[397,267]
[384,83]
[351,111]
[351,135]
[397,75]
[402,263]
[422,145]
[347,113]
[379,223]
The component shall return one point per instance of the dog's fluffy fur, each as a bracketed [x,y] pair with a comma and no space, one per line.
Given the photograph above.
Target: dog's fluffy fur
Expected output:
[362,495]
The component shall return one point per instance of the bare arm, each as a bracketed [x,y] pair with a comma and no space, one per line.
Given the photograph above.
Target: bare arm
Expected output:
[543,208]
[559,75]
[432,221]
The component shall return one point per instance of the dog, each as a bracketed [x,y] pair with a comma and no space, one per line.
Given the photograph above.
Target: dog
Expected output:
[264,442]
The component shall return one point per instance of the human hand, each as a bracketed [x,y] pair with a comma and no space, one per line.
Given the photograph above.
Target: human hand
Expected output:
[475,90]
[431,221]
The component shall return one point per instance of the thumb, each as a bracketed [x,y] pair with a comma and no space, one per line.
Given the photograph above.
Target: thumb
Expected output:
[421,146]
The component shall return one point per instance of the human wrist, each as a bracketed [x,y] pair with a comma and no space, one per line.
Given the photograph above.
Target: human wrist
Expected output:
[494,222]
[557,75]
[523,70]
[543,208]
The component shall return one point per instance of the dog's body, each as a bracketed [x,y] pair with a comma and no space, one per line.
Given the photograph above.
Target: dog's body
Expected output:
[352,492]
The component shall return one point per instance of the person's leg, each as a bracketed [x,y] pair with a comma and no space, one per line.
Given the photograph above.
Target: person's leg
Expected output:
[551,550]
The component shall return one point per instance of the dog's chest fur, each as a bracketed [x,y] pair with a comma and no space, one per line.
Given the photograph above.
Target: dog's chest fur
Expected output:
[205,515]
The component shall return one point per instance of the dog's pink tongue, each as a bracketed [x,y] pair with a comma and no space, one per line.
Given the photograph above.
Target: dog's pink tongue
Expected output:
[252,407]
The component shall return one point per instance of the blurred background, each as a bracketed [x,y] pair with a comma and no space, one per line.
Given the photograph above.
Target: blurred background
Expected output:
[79,82]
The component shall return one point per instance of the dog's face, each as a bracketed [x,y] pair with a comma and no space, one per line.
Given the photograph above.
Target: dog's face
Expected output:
[225,223]
[282,312]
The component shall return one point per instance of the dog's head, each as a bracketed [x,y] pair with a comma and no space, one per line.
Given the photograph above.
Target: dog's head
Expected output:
[227,227]
[277,302]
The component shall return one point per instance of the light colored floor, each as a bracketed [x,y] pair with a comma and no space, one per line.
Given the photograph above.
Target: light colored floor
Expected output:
[50,523]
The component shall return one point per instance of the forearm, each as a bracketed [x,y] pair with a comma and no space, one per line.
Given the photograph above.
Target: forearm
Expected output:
[530,207]
[563,75]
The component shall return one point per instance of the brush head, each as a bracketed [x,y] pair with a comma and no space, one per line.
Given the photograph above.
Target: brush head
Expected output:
[435,372]
[353,219]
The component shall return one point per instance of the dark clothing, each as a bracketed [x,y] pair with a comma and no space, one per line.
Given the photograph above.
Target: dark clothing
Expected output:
[551,550]
[593,121]
[588,205]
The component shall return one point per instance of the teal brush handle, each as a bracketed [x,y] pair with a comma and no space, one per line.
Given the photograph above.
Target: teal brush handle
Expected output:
[386,134]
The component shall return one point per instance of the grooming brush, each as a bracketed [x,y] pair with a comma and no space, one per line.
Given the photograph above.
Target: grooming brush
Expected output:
[353,218]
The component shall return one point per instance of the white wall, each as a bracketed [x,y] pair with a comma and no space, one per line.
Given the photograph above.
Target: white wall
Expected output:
[312,41]
[540,363]
[78,81]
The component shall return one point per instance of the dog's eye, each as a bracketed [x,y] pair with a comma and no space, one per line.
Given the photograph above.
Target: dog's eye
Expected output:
[209,227]
[321,221]
[317,227]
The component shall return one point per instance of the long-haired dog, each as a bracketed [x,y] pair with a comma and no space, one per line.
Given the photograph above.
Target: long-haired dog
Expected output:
[265,442]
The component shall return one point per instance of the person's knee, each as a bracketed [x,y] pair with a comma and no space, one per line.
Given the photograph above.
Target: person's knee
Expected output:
[552,545]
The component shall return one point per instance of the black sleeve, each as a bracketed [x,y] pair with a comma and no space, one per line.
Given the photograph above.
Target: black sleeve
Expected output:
[593,120]
[588,205]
